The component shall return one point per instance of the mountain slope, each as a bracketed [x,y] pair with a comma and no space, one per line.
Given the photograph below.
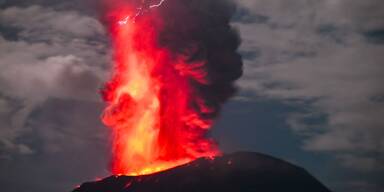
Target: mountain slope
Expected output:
[238,172]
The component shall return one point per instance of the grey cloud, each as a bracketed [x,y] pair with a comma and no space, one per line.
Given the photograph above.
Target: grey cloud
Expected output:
[53,62]
[354,14]
[85,7]
[54,54]
[48,21]
[362,163]
[335,69]
[64,47]
[70,146]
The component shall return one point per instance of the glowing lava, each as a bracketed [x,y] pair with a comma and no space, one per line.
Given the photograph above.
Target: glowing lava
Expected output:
[156,114]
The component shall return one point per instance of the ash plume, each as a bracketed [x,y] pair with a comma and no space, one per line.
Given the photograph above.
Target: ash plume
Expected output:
[175,65]
[200,30]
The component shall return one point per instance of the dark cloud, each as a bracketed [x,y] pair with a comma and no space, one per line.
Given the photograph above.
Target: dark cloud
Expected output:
[244,15]
[375,36]
[204,27]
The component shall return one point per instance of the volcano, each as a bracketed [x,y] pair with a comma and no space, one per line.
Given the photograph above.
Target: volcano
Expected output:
[175,63]
[237,172]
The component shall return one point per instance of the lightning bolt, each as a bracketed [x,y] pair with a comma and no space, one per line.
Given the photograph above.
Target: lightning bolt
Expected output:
[157,5]
[140,11]
[124,21]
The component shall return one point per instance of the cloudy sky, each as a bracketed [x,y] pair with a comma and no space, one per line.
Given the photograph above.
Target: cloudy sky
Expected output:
[311,91]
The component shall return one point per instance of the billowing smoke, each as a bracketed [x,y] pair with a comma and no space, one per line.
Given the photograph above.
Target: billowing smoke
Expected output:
[200,30]
[175,65]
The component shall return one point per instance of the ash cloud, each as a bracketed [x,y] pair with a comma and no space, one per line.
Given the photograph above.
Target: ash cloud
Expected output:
[201,32]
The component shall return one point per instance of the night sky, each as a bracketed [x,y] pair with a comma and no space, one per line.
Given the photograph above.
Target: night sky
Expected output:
[311,92]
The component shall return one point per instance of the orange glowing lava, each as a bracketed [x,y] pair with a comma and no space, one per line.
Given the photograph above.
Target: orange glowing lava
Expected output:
[152,106]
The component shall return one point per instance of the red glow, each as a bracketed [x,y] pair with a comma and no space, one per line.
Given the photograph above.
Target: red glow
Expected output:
[152,107]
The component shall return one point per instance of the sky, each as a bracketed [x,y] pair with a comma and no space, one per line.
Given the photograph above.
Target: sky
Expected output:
[311,92]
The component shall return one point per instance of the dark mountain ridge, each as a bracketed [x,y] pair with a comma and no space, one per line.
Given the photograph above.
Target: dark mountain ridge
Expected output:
[237,172]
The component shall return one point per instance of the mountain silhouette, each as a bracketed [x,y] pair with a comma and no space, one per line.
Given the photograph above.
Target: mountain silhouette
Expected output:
[237,172]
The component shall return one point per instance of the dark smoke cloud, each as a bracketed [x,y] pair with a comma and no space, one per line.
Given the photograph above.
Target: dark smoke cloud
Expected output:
[199,31]
[200,49]
[204,26]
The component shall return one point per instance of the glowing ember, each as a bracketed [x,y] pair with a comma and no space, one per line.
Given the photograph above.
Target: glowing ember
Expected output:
[153,108]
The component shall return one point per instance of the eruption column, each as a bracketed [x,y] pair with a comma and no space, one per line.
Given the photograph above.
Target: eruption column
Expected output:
[161,99]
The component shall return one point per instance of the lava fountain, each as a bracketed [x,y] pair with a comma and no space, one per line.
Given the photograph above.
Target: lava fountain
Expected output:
[169,80]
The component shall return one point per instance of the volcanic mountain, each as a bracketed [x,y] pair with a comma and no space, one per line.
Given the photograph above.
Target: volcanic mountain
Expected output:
[237,172]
